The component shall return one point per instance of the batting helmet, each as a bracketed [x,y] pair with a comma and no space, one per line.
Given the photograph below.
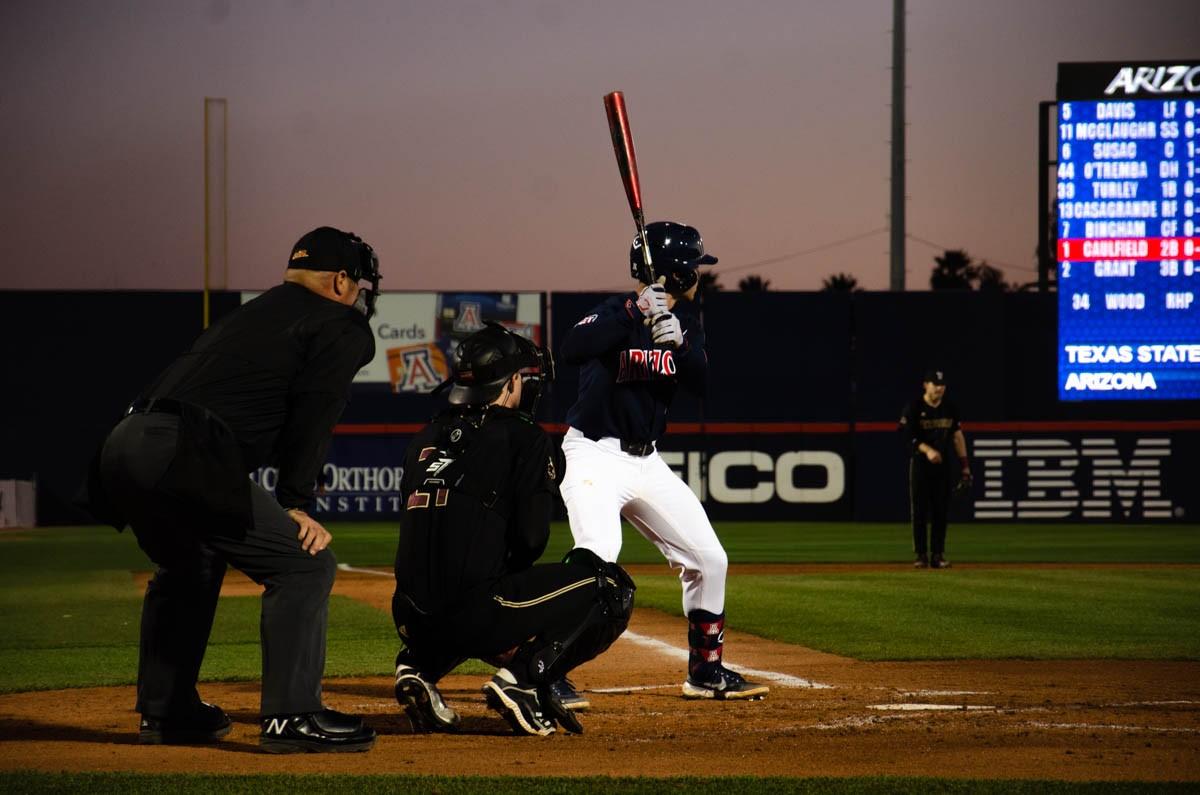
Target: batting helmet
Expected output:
[484,361]
[676,251]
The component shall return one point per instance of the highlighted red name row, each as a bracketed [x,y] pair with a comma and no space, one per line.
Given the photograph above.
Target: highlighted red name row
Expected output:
[1140,248]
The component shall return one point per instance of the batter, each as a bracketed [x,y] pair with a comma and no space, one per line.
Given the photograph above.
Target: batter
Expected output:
[634,351]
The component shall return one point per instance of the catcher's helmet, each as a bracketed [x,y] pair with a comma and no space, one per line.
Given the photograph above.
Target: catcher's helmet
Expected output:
[676,251]
[484,361]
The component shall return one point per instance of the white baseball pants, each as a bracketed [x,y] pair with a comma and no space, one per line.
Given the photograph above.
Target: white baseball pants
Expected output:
[603,484]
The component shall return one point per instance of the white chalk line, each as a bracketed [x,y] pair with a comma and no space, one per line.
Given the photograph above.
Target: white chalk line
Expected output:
[927,707]
[1113,726]
[634,689]
[774,677]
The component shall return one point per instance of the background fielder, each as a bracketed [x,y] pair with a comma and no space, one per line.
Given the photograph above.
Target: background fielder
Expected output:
[931,424]
[634,351]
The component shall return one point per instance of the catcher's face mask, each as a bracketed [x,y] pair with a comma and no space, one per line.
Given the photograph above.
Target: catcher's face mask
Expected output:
[534,378]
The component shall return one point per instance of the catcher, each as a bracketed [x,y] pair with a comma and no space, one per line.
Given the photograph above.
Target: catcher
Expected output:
[479,485]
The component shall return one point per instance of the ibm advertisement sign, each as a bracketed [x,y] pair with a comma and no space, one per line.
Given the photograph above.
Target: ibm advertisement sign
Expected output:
[1103,476]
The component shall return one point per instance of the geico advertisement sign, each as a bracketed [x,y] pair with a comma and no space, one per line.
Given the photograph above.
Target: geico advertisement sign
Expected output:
[752,477]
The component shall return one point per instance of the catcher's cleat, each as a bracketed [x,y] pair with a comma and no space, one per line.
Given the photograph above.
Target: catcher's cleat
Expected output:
[939,562]
[423,703]
[922,562]
[519,705]
[327,731]
[565,693]
[559,712]
[726,684]
[203,723]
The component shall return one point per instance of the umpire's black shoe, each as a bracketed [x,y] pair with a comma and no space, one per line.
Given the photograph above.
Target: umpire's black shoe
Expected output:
[203,723]
[518,703]
[422,702]
[318,732]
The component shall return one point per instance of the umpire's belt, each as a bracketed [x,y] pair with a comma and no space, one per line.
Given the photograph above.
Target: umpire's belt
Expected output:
[156,406]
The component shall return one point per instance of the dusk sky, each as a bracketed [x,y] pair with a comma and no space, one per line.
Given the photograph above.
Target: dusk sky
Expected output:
[466,141]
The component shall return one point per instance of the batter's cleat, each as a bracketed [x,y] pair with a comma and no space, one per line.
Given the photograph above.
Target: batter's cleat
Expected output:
[327,731]
[939,562]
[558,711]
[565,693]
[519,705]
[204,723]
[922,562]
[725,685]
[423,703]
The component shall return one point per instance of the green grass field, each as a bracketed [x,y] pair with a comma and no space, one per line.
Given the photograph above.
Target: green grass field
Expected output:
[69,610]
[69,613]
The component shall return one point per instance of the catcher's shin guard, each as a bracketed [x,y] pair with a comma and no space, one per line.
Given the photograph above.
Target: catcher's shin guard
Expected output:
[546,659]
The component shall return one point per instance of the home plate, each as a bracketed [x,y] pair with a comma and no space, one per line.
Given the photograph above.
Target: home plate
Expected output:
[924,707]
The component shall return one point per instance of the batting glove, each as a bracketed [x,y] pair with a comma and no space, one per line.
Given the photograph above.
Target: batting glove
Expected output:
[652,302]
[667,331]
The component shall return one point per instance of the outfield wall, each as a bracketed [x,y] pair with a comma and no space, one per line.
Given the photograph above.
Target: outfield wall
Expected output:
[798,424]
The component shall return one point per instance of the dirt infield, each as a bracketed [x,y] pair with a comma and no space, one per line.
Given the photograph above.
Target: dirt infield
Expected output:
[1104,720]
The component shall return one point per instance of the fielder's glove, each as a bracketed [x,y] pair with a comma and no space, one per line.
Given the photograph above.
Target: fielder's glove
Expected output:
[667,331]
[964,483]
[652,301]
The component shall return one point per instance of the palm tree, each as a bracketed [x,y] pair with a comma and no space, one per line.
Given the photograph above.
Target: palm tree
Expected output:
[989,278]
[840,282]
[954,271]
[754,284]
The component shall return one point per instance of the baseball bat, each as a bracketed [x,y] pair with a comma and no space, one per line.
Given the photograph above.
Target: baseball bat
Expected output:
[622,139]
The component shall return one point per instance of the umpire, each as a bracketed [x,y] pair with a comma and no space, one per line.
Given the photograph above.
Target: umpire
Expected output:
[479,486]
[931,424]
[263,386]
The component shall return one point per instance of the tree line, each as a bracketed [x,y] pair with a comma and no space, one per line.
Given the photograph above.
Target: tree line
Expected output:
[953,270]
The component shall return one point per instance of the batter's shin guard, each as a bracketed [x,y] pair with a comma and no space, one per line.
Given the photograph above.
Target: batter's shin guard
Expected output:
[706,642]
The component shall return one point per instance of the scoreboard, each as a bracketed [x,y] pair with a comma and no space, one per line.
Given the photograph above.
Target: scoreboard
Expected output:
[1128,229]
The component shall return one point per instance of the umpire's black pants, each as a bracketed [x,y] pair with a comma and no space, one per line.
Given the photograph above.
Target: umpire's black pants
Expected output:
[181,599]
[929,494]
[527,610]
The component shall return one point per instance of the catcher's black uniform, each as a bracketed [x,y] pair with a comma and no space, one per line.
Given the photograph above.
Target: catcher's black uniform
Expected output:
[479,484]
[930,484]
[265,385]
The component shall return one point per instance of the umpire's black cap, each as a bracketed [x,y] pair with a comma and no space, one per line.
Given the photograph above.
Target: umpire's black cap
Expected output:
[935,375]
[326,249]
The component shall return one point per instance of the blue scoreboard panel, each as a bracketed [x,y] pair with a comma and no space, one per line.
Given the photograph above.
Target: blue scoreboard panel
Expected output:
[1128,228]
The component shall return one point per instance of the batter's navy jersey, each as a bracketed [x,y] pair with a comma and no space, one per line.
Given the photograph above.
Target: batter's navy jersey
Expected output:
[626,383]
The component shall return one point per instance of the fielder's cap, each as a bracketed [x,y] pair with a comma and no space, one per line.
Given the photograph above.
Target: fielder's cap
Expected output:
[325,249]
[935,375]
